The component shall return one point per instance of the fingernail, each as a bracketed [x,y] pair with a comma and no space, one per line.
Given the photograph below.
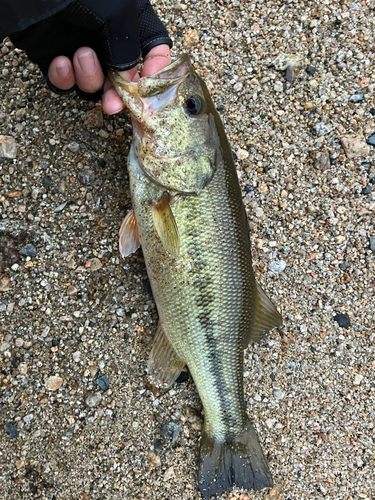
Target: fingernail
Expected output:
[87,62]
[116,110]
[63,70]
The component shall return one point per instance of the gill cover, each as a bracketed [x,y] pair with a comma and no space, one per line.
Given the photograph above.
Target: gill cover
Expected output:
[175,137]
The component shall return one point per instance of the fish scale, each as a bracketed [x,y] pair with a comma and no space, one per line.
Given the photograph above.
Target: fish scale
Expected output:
[193,230]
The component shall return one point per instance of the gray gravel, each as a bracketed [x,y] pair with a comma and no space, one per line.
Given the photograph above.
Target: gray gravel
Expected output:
[71,312]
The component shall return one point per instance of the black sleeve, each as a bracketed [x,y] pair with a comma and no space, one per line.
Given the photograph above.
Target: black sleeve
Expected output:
[120,31]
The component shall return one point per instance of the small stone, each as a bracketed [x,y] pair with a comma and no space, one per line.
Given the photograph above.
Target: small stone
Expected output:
[277,266]
[93,399]
[34,194]
[285,250]
[366,165]
[46,181]
[170,432]
[4,283]
[168,474]
[93,370]
[311,70]
[94,118]
[220,107]
[367,189]
[22,368]
[76,356]
[372,111]
[95,265]
[259,212]
[242,154]
[191,39]
[279,394]
[19,342]
[342,320]
[28,418]
[102,382]
[28,250]
[73,146]
[356,98]
[11,430]
[71,290]
[20,464]
[263,188]
[86,176]
[154,459]
[158,446]
[355,146]
[321,129]
[372,243]
[104,134]
[343,265]
[357,379]
[53,383]
[8,147]
[371,140]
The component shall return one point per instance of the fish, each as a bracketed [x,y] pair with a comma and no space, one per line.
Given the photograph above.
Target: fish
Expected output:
[189,219]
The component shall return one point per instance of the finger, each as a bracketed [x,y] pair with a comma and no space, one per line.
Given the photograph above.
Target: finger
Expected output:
[61,74]
[88,72]
[111,101]
[158,58]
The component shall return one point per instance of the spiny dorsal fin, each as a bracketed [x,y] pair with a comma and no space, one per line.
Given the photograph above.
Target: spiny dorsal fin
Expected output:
[165,224]
[164,366]
[128,235]
[266,317]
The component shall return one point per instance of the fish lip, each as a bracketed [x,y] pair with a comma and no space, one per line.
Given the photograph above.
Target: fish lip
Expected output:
[181,66]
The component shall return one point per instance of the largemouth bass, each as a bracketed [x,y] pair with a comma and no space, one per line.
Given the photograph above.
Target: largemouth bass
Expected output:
[190,221]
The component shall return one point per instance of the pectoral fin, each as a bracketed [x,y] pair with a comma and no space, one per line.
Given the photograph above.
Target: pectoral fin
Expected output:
[164,366]
[128,235]
[165,225]
[266,317]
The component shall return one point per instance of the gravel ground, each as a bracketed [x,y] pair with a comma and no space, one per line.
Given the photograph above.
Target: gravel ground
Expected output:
[78,418]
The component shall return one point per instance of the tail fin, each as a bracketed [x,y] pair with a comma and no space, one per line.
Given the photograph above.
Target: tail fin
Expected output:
[237,462]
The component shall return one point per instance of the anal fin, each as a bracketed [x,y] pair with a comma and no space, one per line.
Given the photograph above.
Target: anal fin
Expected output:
[164,366]
[266,317]
[128,235]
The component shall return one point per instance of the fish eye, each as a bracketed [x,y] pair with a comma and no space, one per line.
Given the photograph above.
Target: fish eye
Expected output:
[194,105]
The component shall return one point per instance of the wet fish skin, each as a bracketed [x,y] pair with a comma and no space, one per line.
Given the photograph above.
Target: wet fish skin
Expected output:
[181,166]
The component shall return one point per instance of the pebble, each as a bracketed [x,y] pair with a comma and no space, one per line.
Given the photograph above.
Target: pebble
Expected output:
[154,459]
[259,212]
[8,147]
[372,243]
[4,283]
[311,70]
[277,266]
[355,147]
[86,176]
[22,368]
[76,356]
[28,418]
[367,189]
[279,394]
[371,140]
[53,383]
[28,250]
[170,432]
[168,474]
[93,399]
[158,446]
[191,39]
[11,430]
[357,379]
[242,154]
[95,264]
[102,382]
[73,146]
[356,98]
[342,320]
[366,165]
[94,118]
[103,134]
[321,129]
[372,111]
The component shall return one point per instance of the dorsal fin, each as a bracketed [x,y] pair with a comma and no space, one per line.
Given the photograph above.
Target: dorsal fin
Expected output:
[164,366]
[266,317]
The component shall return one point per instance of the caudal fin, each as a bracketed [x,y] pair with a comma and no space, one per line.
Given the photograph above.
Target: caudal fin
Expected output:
[238,462]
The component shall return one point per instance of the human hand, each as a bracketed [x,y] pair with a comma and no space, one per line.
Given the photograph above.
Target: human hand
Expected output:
[85,72]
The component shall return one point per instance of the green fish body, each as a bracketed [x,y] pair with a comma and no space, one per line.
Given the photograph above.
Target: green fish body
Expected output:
[189,218]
